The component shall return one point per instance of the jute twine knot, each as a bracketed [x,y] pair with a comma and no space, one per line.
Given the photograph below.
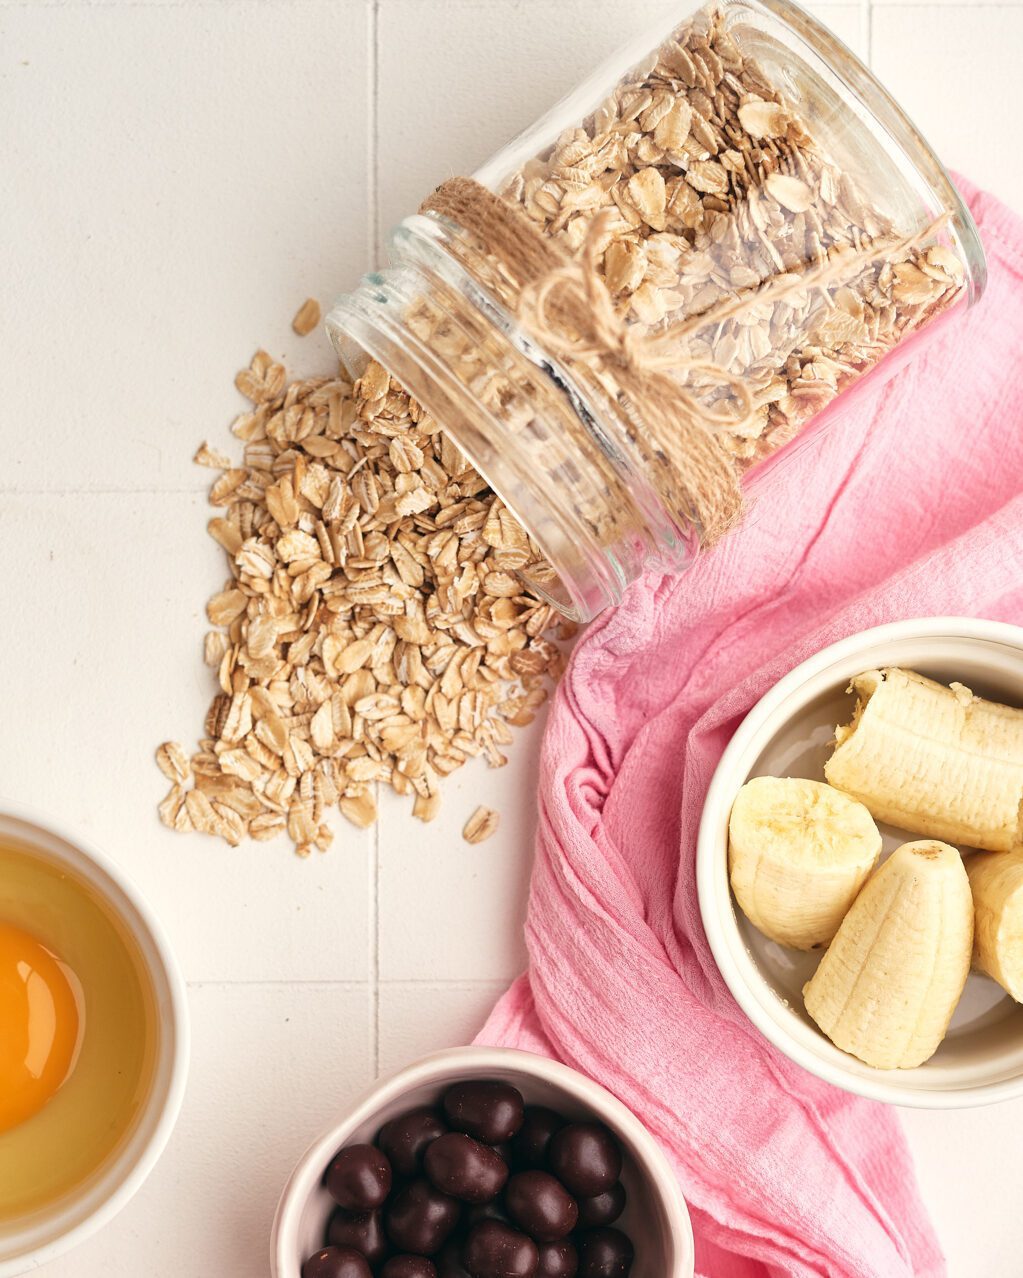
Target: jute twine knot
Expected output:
[678,402]
[570,312]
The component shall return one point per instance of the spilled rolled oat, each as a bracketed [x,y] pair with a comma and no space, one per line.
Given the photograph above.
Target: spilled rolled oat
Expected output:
[373,629]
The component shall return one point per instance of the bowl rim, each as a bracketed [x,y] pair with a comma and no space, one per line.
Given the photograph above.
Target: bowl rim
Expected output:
[721,933]
[308,1172]
[160,960]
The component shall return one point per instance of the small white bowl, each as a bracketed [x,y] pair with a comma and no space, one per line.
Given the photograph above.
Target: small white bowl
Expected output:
[789,732]
[656,1216]
[50,1232]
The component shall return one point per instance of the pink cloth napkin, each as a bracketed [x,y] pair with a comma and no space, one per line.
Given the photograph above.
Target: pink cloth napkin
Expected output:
[910,505]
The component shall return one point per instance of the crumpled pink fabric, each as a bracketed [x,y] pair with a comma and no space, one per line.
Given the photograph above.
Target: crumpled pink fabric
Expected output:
[910,505]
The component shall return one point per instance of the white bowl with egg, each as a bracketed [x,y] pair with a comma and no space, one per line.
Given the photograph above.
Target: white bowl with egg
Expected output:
[656,1217]
[790,732]
[34,1238]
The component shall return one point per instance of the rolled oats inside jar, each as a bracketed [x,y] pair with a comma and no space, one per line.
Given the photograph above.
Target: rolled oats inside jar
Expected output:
[691,259]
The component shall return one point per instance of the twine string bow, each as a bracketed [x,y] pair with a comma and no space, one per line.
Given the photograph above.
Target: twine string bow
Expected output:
[570,312]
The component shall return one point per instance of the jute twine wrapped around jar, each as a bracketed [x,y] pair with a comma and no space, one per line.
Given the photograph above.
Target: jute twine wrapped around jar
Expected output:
[566,308]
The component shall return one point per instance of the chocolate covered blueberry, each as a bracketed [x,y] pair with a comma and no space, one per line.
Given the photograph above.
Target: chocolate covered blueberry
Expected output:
[482,1187]
[558,1259]
[602,1209]
[404,1140]
[464,1168]
[541,1206]
[495,1250]
[419,1218]
[337,1262]
[488,1111]
[362,1231]
[359,1178]
[604,1253]
[586,1158]
[530,1144]
[409,1267]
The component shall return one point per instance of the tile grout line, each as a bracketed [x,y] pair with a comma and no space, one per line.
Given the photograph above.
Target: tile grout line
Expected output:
[373,124]
[868,33]
[14,491]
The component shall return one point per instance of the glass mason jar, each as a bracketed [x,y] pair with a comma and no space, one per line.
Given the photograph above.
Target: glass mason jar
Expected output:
[751,198]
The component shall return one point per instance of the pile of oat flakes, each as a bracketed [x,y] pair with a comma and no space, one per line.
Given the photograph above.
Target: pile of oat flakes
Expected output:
[373,629]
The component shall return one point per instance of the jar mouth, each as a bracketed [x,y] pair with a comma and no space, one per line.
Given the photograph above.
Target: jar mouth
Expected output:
[360,334]
[589,575]
[835,64]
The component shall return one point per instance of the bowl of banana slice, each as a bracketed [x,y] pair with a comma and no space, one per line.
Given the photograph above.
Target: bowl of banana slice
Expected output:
[860,863]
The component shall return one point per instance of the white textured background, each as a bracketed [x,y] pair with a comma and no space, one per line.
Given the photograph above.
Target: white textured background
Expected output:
[175,177]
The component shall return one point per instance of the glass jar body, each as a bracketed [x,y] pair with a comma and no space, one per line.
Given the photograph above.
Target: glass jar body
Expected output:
[754,201]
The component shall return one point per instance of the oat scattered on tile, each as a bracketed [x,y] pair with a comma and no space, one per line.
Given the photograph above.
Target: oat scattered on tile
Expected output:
[373,628]
[481,825]
[307,317]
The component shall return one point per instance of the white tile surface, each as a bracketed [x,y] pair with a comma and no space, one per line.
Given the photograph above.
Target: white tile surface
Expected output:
[178,175]
[272,1065]
[417,1018]
[185,174]
[965,1162]
[459,913]
[946,69]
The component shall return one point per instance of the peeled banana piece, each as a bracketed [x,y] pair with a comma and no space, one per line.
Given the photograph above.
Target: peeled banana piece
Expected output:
[935,760]
[889,982]
[798,853]
[996,879]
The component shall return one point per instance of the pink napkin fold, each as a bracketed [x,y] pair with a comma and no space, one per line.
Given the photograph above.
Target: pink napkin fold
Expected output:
[910,505]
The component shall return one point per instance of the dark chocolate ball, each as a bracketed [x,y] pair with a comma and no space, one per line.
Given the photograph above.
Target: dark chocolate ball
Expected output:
[558,1259]
[586,1158]
[409,1267]
[359,1178]
[529,1148]
[495,1250]
[464,1168]
[420,1218]
[490,1112]
[604,1253]
[337,1262]
[404,1139]
[540,1204]
[602,1209]
[362,1231]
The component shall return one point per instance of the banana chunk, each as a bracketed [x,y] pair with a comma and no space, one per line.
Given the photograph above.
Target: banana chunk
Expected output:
[997,883]
[798,852]
[889,982]
[935,760]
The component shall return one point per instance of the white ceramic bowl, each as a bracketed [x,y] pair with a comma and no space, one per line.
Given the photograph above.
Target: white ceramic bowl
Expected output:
[789,733]
[656,1216]
[51,1231]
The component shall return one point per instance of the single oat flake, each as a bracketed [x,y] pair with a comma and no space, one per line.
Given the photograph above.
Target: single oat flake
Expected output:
[481,825]
[307,317]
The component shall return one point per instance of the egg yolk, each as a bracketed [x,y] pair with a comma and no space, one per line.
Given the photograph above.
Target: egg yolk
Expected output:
[38,1025]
